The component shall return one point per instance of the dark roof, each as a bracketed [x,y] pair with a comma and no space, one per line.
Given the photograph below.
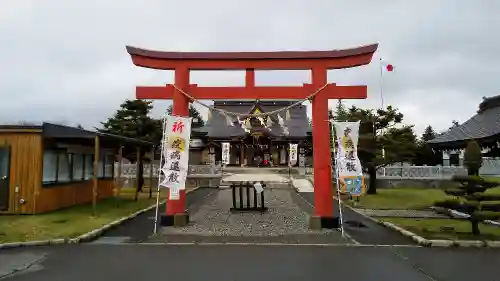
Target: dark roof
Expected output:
[253,55]
[217,125]
[483,125]
[50,130]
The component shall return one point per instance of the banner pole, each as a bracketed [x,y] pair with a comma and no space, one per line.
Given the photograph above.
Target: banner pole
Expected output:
[337,176]
[155,229]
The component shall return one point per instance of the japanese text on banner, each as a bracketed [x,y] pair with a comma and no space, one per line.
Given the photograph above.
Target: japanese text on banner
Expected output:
[293,153]
[175,152]
[225,153]
[347,161]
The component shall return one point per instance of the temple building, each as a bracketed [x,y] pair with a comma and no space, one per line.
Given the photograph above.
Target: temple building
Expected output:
[484,127]
[254,141]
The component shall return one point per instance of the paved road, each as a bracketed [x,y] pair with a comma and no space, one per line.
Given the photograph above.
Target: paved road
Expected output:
[134,261]
[228,263]
[370,233]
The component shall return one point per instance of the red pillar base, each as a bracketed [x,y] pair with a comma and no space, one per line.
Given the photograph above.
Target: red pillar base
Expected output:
[179,219]
[316,222]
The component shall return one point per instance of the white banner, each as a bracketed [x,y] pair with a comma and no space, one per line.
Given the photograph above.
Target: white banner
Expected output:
[225,153]
[347,134]
[175,154]
[293,153]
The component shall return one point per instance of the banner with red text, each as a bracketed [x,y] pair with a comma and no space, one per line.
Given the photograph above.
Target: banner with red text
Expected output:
[175,153]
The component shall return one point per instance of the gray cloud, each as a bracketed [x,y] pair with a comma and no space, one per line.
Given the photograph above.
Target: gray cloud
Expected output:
[66,61]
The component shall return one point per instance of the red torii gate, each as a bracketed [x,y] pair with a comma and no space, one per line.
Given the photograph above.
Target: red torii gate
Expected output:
[317,61]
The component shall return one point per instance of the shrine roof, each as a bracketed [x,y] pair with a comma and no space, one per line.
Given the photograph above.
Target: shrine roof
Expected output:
[483,126]
[329,54]
[220,126]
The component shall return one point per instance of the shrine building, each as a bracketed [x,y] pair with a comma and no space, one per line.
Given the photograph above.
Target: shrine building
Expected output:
[266,137]
[483,127]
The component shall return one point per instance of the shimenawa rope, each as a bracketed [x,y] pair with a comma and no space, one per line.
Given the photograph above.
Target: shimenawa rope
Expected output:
[262,114]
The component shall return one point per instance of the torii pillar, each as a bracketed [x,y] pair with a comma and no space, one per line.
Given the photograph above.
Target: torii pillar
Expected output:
[319,62]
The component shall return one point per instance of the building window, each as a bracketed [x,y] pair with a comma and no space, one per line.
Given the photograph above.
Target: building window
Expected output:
[89,167]
[63,167]
[100,167]
[454,159]
[109,166]
[78,166]
[50,166]
[59,166]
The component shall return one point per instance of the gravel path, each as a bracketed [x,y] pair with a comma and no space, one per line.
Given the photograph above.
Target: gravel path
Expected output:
[284,222]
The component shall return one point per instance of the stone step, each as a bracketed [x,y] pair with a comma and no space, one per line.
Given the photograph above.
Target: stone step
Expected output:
[303,185]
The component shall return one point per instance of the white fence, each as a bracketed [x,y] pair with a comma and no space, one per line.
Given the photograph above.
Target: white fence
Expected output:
[129,171]
[415,172]
[407,172]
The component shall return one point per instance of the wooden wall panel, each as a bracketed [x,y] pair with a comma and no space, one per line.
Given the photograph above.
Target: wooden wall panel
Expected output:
[25,169]
[63,196]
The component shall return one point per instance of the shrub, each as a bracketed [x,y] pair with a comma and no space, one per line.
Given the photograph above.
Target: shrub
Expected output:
[473,158]
[471,200]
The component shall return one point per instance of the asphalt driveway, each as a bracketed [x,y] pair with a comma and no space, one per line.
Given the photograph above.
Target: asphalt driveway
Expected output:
[228,263]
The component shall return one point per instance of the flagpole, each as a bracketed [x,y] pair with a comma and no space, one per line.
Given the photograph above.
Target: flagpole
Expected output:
[159,174]
[381,83]
[337,176]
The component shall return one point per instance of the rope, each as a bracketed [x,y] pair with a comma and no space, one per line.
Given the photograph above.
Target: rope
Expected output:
[262,114]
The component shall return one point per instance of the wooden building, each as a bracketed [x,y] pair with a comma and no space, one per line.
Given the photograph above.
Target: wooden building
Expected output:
[49,167]
[483,127]
[267,138]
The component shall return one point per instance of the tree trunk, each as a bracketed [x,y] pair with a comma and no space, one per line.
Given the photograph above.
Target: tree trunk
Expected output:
[472,172]
[475,227]
[372,184]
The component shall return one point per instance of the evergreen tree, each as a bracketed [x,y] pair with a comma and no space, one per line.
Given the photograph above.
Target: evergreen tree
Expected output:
[473,158]
[428,134]
[383,140]
[198,121]
[341,113]
[424,154]
[132,120]
[472,199]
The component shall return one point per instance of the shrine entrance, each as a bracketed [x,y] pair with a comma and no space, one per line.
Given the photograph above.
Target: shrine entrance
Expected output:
[318,92]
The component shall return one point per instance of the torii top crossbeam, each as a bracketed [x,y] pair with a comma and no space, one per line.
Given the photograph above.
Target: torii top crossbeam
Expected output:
[250,61]
[285,60]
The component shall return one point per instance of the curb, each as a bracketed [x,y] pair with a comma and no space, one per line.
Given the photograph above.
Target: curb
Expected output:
[86,237]
[429,242]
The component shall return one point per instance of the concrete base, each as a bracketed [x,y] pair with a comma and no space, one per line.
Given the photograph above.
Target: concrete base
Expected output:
[181,219]
[317,223]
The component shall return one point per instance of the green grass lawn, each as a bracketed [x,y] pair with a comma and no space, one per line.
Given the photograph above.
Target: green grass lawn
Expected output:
[405,198]
[445,228]
[400,198]
[73,221]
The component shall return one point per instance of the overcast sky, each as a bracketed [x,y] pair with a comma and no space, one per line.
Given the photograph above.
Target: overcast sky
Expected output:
[65,61]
